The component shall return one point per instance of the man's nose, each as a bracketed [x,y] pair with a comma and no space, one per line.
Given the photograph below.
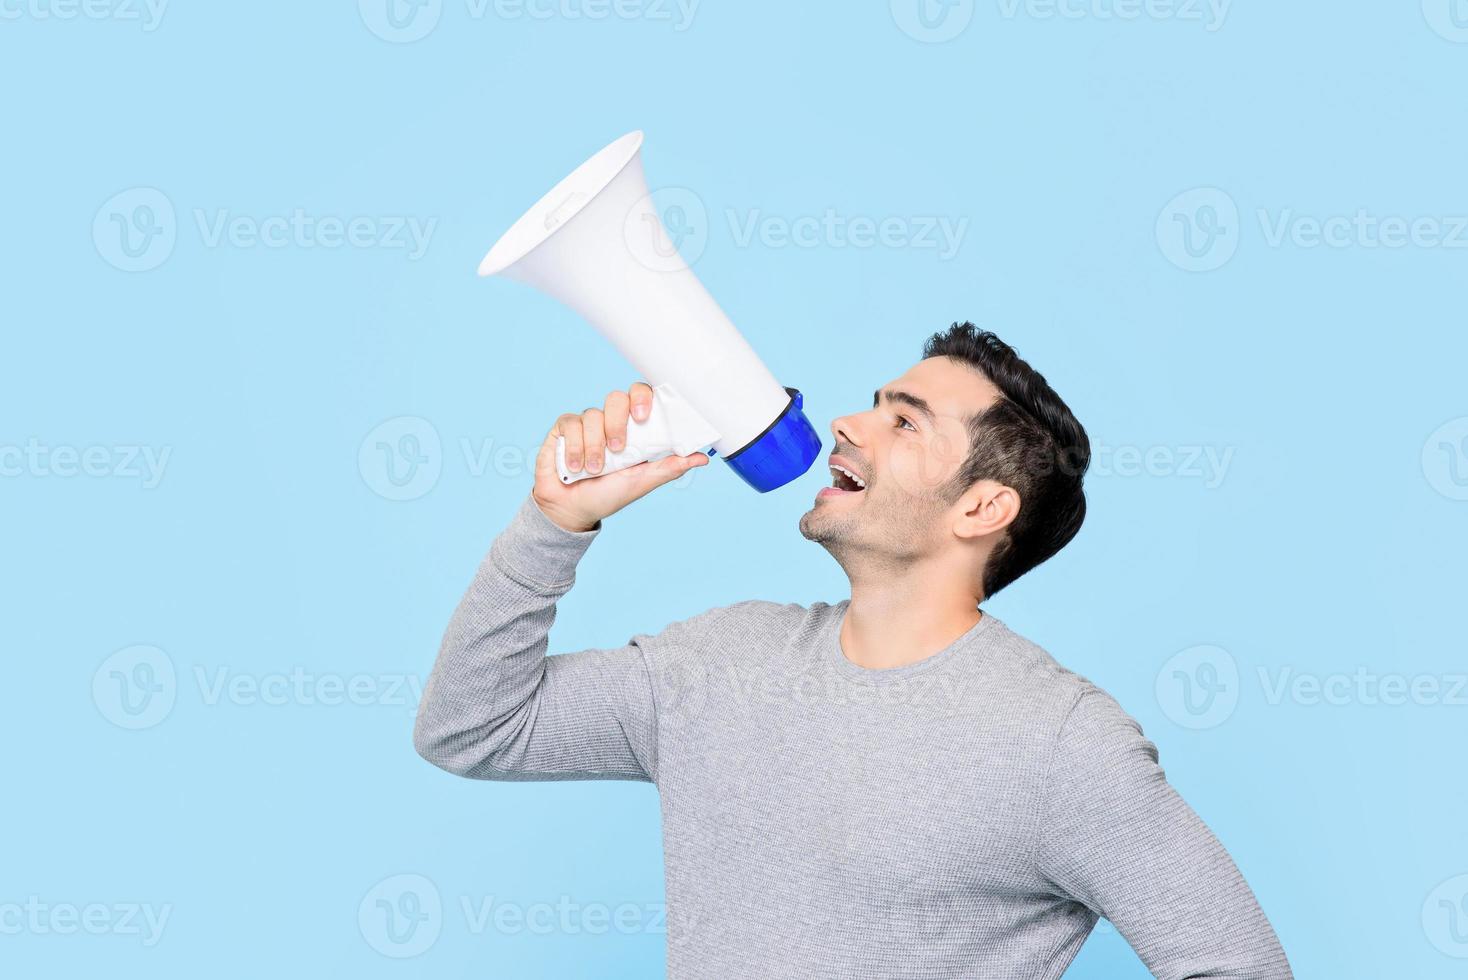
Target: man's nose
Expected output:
[845,429]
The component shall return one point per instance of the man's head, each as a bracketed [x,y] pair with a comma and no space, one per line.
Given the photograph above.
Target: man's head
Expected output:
[969,457]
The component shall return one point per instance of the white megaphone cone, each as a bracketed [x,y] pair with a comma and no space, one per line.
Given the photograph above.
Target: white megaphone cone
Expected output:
[597,243]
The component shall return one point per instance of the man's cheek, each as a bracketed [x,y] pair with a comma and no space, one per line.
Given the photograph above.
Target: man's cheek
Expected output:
[923,466]
[948,446]
[916,471]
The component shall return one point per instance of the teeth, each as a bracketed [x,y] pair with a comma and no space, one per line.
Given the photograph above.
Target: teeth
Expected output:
[854,478]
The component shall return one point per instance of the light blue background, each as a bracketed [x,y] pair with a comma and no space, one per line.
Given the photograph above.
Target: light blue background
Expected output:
[1331,541]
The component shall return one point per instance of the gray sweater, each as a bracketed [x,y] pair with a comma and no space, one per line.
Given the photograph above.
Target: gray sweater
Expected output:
[968,815]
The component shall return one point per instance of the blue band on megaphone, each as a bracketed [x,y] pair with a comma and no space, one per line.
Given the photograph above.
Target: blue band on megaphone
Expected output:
[782,452]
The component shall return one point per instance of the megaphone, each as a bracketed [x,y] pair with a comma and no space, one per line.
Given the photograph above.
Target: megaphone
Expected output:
[597,243]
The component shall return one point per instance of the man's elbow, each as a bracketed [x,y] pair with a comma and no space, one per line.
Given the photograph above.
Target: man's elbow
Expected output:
[437,745]
[474,753]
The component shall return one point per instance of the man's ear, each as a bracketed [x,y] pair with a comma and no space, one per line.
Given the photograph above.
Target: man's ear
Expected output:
[986,509]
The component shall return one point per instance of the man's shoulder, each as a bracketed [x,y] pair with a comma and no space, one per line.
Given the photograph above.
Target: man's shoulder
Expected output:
[779,625]
[750,619]
[1031,664]
[1072,699]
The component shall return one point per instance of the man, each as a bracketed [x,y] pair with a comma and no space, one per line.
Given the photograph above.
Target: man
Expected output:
[896,785]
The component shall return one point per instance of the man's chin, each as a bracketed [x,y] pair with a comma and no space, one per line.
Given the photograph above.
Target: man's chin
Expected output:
[825,522]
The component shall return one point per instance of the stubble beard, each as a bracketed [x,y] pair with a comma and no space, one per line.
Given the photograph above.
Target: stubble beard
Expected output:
[883,539]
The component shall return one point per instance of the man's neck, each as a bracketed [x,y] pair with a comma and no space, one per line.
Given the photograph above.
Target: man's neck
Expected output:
[895,621]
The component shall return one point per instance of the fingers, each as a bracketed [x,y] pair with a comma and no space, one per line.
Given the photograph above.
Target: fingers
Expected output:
[640,395]
[604,429]
[669,468]
[591,434]
[568,426]
[619,404]
[594,438]
[676,466]
[638,481]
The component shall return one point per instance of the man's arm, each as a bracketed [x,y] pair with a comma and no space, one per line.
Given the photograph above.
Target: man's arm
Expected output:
[496,707]
[1116,837]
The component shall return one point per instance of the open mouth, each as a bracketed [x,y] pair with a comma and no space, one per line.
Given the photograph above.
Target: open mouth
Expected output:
[845,481]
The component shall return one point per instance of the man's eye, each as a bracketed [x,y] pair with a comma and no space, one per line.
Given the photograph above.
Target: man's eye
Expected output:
[903,420]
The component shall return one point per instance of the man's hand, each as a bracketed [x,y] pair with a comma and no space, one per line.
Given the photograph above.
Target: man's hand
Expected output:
[580,506]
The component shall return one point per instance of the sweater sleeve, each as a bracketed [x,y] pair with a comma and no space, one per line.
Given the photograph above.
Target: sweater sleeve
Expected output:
[496,707]
[1117,838]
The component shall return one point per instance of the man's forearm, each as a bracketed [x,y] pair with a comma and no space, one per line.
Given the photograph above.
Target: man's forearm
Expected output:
[476,714]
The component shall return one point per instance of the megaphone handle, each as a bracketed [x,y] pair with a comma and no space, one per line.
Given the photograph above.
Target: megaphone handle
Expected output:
[612,461]
[672,426]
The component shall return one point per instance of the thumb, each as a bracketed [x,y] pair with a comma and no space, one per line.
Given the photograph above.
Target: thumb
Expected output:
[648,476]
[545,459]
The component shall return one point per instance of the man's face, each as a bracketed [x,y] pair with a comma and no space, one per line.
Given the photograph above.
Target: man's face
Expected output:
[906,449]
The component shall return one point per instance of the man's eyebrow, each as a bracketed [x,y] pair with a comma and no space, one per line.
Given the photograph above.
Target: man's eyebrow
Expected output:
[907,398]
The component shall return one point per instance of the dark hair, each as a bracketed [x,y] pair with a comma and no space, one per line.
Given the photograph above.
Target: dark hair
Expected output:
[1029,441]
